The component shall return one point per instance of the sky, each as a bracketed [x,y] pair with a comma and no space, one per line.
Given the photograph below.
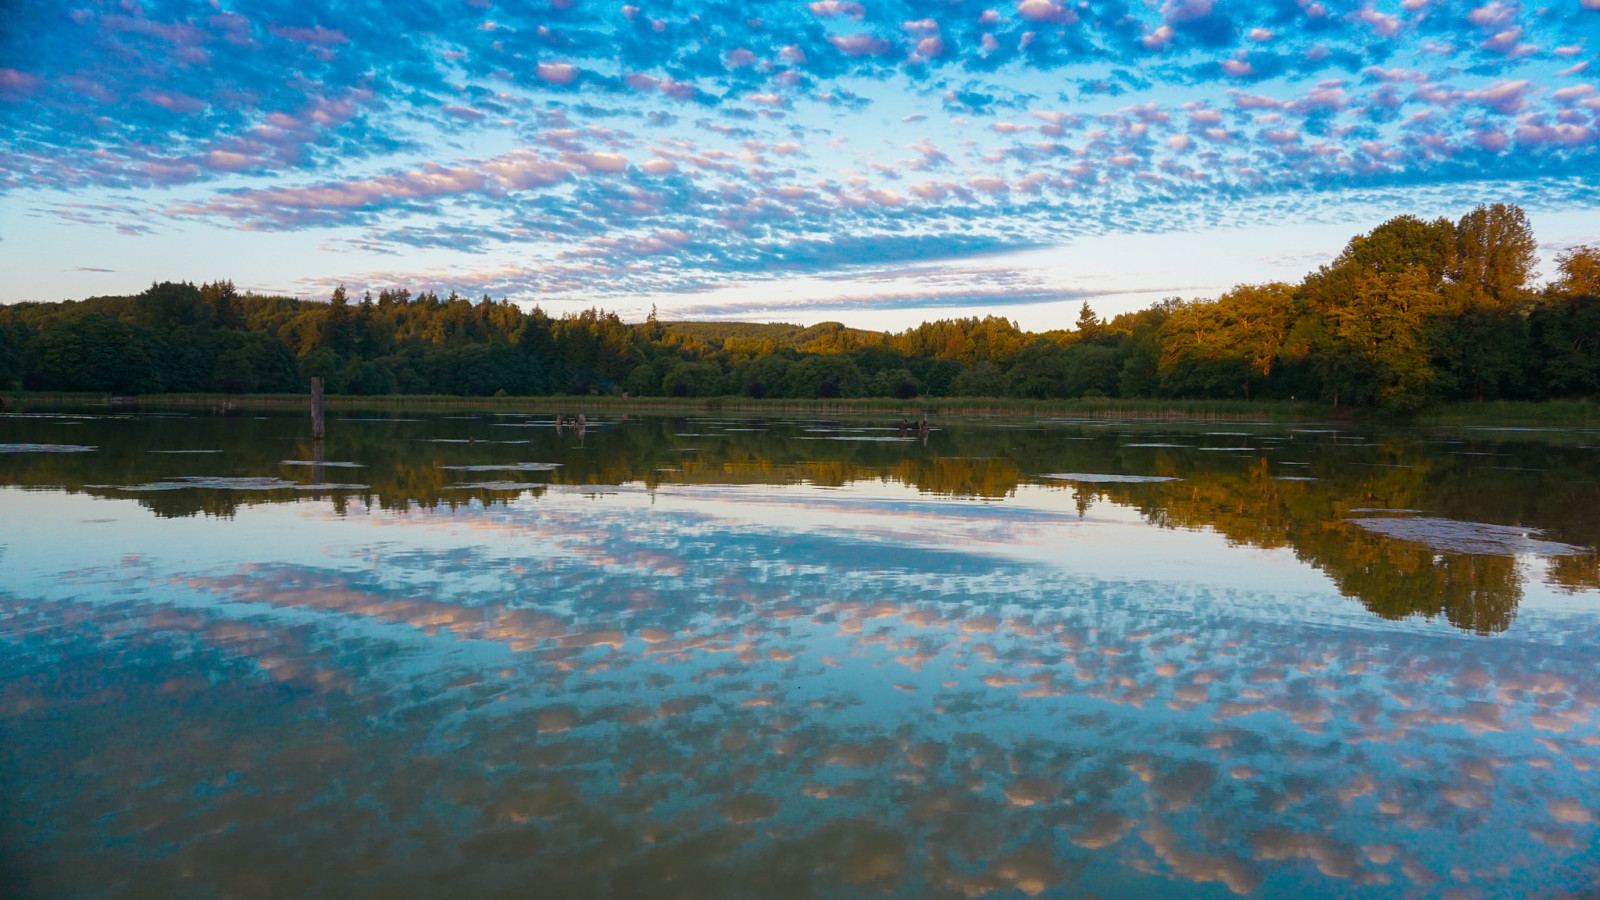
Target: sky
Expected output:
[876,163]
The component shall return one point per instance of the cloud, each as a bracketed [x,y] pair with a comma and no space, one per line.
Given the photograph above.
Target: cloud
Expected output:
[978,123]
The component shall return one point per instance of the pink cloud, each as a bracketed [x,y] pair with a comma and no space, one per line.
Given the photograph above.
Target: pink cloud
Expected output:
[1382,23]
[16,83]
[556,73]
[860,44]
[517,170]
[1504,97]
[1562,134]
[597,162]
[227,161]
[315,35]
[1159,38]
[1491,139]
[1492,15]
[1573,94]
[174,102]
[1185,10]
[1046,11]
[829,9]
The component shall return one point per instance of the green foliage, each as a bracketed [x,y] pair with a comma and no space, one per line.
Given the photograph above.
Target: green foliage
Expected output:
[824,377]
[983,379]
[1039,371]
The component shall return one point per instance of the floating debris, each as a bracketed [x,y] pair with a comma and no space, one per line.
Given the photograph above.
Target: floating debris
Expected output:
[493,486]
[184,452]
[505,467]
[1095,478]
[1479,538]
[1157,445]
[312,462]
[1381,509]
[46,448]
[878,439]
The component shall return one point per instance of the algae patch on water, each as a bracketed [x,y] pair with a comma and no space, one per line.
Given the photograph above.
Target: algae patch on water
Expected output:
[1479,538]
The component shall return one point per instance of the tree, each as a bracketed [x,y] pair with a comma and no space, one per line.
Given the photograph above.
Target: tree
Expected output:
[1495,253]
[825,377]
[1374,304]
[1580,271]
[1092,370]
[983,379]
[1089,324]
[691,379]
[1039,372]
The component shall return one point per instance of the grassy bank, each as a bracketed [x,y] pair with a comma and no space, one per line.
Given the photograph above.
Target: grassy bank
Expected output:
[1512,413]
[1200,410]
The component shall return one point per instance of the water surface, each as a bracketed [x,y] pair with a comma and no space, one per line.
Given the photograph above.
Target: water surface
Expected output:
[471,655]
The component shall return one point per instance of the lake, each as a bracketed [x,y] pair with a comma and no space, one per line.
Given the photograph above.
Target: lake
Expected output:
[717,656]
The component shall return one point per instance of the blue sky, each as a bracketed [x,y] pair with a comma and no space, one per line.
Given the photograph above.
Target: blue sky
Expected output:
[879,163]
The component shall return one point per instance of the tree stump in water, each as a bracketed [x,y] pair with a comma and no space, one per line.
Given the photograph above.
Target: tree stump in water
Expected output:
[317,429]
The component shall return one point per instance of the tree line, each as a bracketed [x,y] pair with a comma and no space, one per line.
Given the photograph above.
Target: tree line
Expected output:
[1411,313]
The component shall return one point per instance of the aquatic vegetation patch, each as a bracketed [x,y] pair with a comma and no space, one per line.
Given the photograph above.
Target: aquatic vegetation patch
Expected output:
[506,467]
[46,448]
[1453,536]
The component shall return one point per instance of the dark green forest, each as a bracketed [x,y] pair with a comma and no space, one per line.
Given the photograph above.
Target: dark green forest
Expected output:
[1412,313]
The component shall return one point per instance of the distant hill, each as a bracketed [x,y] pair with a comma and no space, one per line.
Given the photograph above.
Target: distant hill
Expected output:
[782,334]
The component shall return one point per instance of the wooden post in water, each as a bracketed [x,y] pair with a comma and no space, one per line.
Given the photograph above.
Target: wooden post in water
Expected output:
[316,409]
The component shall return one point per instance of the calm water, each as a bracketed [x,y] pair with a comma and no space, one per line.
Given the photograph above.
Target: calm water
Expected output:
[709,657]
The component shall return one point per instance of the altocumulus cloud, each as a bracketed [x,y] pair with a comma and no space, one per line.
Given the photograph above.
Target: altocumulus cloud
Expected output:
[616,149]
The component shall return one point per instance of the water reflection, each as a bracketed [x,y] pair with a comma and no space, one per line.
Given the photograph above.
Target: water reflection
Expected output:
[1408,524]
[700,684]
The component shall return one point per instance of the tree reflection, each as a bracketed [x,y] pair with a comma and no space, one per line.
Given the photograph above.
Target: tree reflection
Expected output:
[1270,488]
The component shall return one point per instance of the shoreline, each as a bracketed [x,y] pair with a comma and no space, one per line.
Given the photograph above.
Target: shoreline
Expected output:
[960,407]
[1543,412]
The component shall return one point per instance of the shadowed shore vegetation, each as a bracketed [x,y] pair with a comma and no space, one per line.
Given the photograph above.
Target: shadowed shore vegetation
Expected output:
[1411,315]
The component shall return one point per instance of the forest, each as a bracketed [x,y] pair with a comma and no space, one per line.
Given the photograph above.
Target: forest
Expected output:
[1410,314]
